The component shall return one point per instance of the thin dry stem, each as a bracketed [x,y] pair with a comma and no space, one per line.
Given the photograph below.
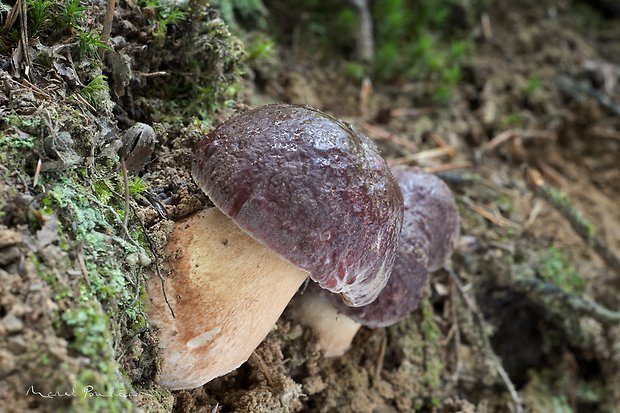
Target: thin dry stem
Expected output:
[471,304]
[424,155]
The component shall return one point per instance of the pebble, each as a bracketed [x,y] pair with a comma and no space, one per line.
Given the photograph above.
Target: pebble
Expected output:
[12,324]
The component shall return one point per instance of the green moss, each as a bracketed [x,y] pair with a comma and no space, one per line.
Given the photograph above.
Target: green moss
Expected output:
[432,337]
[532,86]
[16,143]
[557,268]
[561,200]
[105,302]
[22,122]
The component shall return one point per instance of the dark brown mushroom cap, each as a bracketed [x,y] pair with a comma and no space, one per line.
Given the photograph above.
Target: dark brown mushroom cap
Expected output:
[431,226]
[312,189]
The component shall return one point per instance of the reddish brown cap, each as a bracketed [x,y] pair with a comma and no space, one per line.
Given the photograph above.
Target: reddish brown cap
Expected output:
[431,227]
[312,189]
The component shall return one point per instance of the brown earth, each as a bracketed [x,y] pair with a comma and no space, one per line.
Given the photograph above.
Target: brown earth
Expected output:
[559,357]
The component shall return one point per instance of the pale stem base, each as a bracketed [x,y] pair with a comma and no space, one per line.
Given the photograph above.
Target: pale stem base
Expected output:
[227,291]
[335,330]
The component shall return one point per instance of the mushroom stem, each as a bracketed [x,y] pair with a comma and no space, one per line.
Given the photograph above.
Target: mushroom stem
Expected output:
[335,330]
[227,291]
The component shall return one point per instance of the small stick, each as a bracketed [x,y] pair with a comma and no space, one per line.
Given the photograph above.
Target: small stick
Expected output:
[37,90]
[151,248]
[107,21]
[262,366]
[545,293]
[126,183]
[509,134]
[157,268]
[438,140]
[82,265]
[457,335]
[551,173]
[11,17]
[137,295]
[83,101]
[471,304]
[560,201]
[494,218]
[447,167]
[381,354]
[365,92]
[409,112]
[24,35]
[423,155]
[485,22]
[378,133]
[37,171]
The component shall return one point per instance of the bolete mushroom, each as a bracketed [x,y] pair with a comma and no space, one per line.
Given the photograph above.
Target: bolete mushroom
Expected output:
[297,194]
[431,226]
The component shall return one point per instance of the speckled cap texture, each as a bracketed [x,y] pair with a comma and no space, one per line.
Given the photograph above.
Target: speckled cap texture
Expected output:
[310,188]
[431,227]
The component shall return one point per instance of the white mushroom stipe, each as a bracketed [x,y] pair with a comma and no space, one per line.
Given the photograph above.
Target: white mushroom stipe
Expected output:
[335,330]
[227,291]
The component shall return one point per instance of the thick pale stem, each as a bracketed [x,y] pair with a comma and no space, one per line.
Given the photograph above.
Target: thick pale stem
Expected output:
[335,330]
[227,291]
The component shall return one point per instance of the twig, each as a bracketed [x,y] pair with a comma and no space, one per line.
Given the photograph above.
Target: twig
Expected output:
[262,366]
[157,268]
[37,171]
[118,220]
[509,134]
[107,21]
[23,13]
[82,265]
[546,293]
[457,336]
[494,218]
[11,17]
[138,279]
[381,354]
[447,167]
[37,90]
[551,174]
[152,249]
[83,101]
[438,140]
[471,304]
[485,22]
[126,183]
[365,92]
[410,112]
[423,155]
[378,133]
[576,89]
[583,227]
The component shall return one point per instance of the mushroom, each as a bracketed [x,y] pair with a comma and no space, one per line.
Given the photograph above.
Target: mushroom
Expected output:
[431,226]
[297,194]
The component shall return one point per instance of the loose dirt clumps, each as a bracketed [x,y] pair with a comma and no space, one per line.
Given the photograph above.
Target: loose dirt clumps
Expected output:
[536,303]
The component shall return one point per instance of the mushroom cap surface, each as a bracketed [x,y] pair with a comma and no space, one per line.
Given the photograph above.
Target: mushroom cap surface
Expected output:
[431,226]
[312,189]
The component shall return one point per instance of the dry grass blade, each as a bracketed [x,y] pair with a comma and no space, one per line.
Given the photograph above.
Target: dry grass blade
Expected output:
[447,167]
[490,215]
[11,17]
[424,155]
[378,133]
[23,14]
[471,304]
[509,134]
